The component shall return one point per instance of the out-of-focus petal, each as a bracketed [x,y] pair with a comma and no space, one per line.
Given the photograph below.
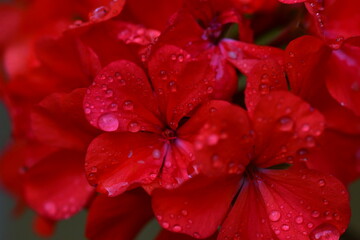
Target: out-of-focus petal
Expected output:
[122,216]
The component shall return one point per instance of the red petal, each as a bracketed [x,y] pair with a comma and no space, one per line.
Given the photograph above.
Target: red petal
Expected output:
[285,126]
[335,146]
[245,55]
[304,57]
[180,83]
[176,170]
[343,75]
[221,135]
[56,187]
[72,131]
[116,161]
[292,1]
[44,227]
[121,216]
[288,204]
[144,15]
[121,99]
[197,207]
[166,235]
[266,76]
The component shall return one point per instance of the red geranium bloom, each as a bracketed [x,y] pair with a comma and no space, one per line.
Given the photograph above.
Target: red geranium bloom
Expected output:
[249,191]
[146,116]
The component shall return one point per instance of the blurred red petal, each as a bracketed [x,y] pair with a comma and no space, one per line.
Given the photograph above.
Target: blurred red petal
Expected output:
[166,235]
[123,216]
[43,226]
[56,187]
[73,131]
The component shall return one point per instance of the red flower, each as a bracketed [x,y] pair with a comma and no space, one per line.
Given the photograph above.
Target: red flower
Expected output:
[147,118]
[248,189]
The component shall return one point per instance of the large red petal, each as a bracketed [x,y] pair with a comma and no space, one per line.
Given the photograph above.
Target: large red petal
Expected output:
[56,187]
[196,208]
[293,204]
[285,127]
[181,83]
[307,78]
[117,161]
[339,155]
[121,99]
[266,76]
[343,75]
[51,127]
[122,216]
[221,136]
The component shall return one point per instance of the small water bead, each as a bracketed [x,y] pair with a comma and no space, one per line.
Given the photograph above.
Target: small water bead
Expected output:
[264,88]
[108,122]
[181,58]
[322,183]
[184,212]
[305,127]
[99,13]
[87,110]
[285,124]
[163,75]
[274,216]
[315,214]
[232,55]
[176,228]
[325,232]
[109,93]
[133,126]
[299,219]
[285,227]
[172,86]
[196,235]
[156,153]
[128,105]
[165,225]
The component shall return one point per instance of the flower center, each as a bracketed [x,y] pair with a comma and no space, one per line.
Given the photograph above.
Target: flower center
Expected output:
[169,134]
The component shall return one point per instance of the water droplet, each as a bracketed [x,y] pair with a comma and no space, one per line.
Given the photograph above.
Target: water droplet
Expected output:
[212,139]
[232,55]
[165,225]
[285,124]
[310,225]
[325,232]
[184,212]
[163,75]
[133,126]
[210,90]
[176,228]
[173,57]
[322,183]
[196,235]
[156,153]
[94,169]
[274,216]
[285,227]
[315,214]
[109,93]
[212,110]
[181,58]
[128,105]
[87,110]
[99,13]
[264,88]
[299,219]
[108,122]
[172,86]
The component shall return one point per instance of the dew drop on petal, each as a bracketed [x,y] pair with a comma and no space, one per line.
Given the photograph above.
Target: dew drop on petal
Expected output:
[108,122]
[165,225]
[285,124]
[325,232]
[285,227]
[133,126]
[128,105]
[274,216]
[156,153]
[99,13]
[196,235]
[299,219]
[322,183]
[176,228]
[315,214]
